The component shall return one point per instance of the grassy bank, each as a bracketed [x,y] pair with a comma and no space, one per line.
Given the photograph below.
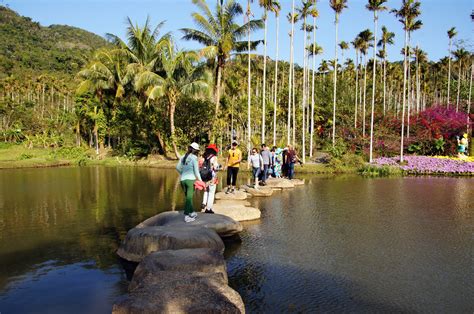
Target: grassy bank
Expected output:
[18,156]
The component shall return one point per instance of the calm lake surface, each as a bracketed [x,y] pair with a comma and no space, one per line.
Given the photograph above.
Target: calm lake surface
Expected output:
[343,244]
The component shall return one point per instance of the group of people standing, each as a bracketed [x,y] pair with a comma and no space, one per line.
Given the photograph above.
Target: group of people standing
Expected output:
[201,173]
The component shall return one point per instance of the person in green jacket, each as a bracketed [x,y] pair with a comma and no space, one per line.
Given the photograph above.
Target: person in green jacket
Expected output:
[188,169]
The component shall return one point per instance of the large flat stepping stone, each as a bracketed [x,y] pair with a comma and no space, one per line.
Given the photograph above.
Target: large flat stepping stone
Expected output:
[236,195]
[237,211]
[139,242]
[174,263]
[261,191]
[297,182]
[188,294]
[223,225]
[233,203]
[280,183]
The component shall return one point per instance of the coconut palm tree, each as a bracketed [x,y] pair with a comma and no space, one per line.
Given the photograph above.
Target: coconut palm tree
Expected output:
[386,39]
[181,76]
[409,10]
[420,58]
[337,6]
[276,9]
[451,34]
[374,6]
[221,35]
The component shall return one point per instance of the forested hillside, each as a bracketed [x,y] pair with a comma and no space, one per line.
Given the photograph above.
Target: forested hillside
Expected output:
[26,46]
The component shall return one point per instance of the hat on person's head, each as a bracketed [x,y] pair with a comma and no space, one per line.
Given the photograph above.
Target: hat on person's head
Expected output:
[213,147]
[194,145]
[235,143]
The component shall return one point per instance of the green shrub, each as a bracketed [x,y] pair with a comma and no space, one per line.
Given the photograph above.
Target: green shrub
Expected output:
[346,163]
[369,170]
[25,156]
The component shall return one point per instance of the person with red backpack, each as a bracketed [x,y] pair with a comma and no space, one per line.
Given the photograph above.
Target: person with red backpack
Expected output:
[208,171]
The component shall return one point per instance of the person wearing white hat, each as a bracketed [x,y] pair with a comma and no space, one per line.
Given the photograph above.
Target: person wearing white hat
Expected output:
[188,169]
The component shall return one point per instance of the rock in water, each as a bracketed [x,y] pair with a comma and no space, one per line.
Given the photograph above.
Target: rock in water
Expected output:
[280,183]
[260,191]
[223,225]
[187,294]
[142,241]
[297,182]
[237,195]
[176,263]
[238,211]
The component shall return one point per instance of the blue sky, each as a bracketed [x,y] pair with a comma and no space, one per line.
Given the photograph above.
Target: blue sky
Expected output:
[108,16]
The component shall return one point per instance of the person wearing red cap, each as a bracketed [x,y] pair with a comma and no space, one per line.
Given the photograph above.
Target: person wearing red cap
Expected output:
[209,168]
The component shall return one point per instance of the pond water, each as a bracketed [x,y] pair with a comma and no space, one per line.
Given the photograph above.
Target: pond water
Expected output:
[341,244]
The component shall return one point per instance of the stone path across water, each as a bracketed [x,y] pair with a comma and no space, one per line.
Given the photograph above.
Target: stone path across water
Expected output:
[181,265]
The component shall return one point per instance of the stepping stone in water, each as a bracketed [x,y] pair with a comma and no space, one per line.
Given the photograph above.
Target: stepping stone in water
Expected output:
[187,294]
[141,241]
[280,183]
[260,191]
[297,182]
[175,263]
[237,195]
[223,225]
[237,211]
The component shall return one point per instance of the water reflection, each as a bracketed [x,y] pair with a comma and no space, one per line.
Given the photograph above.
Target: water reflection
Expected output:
[342,244]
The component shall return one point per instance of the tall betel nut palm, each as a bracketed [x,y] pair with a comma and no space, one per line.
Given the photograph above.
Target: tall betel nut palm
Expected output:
[276,10]
[273,6]
[387,39]
[409,10]
[451,33]
[337,6]
[374,6]
[221,35]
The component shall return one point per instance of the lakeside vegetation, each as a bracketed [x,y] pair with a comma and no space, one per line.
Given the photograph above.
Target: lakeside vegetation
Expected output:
[64,88]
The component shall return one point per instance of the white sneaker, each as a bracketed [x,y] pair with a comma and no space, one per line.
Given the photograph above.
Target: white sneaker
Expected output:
[188,218]
[193,215]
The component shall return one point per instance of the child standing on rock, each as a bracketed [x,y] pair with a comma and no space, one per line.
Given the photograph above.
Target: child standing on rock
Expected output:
[188,169]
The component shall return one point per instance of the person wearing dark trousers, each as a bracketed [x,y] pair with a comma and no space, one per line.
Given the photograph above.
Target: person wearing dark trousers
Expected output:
[291,159]
[234,157]
[266,157]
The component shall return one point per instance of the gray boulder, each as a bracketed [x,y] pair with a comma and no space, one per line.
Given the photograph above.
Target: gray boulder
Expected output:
[141,241]
[223,225]
[185,294]
[173,264]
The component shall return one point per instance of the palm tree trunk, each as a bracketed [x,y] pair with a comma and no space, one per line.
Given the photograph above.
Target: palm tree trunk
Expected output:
[172,128]
[336,20]
[303,137]
[249,131]
[459,85]
[312,90]
[374,70]
[292,76]
[469,101]
[409,96]
[356,88]
[264,95]
[276,82]
[365,94]
[449,71]
[384,79]
[404,93]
